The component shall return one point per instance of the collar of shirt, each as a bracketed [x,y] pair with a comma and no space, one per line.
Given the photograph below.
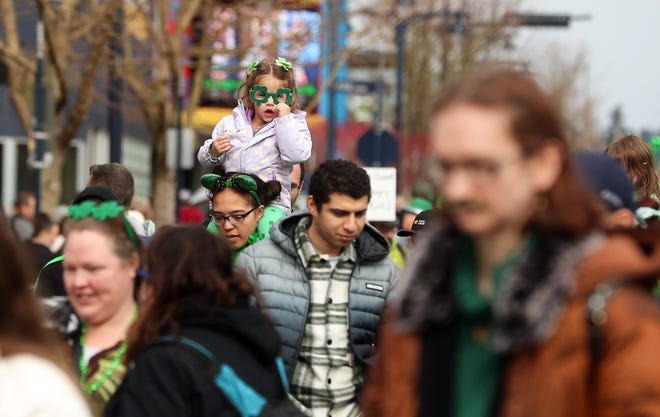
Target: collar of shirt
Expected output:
[308,252]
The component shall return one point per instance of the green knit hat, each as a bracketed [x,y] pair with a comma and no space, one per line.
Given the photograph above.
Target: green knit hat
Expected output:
[417,205]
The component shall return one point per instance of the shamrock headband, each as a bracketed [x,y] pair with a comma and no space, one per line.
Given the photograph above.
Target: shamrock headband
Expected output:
[279,61]
[239,182]
[102,211]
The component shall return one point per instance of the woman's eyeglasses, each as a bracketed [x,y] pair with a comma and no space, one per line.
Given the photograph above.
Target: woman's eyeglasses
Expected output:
[234,219]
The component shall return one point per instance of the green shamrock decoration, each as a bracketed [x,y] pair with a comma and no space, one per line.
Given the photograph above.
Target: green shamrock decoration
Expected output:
[253,66]
[98,211]
[283,63]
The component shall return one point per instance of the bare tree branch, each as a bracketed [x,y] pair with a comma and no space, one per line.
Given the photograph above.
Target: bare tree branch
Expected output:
[78,112]
[16,64]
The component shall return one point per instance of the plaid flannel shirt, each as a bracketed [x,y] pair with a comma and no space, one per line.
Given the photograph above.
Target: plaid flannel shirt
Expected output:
[325,378]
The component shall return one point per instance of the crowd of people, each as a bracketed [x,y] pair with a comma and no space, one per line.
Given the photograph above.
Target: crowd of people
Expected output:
[519,284]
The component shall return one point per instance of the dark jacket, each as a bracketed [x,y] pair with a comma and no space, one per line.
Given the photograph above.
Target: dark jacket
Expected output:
[169,380]
[540,323]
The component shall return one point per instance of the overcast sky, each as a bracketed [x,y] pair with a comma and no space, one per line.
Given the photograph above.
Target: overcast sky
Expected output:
[622,38]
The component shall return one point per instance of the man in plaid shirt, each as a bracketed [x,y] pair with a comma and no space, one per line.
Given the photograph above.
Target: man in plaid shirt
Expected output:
[324,276]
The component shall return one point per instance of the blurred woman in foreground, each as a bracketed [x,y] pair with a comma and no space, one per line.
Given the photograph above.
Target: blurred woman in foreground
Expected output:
[33,381]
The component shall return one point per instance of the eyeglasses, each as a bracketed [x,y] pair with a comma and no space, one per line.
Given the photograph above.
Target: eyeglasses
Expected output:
[234,219]
[259,95]
[480,170]
[239,182]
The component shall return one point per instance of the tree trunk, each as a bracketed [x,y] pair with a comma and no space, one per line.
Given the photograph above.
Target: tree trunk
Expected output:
[163,185]
[51,179]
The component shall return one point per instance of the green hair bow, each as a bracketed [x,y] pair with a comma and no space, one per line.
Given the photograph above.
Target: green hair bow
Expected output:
[283,63]
[253,66]
[102,211]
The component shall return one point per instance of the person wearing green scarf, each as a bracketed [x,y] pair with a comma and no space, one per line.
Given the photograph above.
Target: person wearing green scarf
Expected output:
[238,202]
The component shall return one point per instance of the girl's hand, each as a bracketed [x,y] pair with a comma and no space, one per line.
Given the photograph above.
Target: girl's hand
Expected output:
[220,145]
[282,109]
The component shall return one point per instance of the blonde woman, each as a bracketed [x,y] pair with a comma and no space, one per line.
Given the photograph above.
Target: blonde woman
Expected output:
[101,256]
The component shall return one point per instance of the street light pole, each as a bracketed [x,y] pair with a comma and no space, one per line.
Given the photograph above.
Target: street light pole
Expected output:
[334,8]
[400,38]
[180,94]
[40,136]
[115,88]
[400,34]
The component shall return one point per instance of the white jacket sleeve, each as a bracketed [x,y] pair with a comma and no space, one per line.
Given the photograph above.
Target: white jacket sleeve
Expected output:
[204,152]
[293,138]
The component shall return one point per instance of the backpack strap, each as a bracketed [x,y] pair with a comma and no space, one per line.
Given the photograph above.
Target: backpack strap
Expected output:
[280,369]
[247,401]
[193,345]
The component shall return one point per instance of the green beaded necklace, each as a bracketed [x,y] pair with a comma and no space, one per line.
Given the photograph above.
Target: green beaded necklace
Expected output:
[113,366]
[84,368]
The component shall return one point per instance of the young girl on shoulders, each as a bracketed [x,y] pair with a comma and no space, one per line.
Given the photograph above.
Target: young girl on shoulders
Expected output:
[266,134]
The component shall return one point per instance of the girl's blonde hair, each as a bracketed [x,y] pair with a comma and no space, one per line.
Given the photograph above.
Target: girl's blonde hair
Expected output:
[635,155]
[264,67]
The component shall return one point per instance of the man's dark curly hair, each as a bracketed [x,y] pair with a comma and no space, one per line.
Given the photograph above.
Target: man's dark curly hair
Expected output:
[338,176]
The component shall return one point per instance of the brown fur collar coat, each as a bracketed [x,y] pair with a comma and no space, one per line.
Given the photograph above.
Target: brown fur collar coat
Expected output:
[542,327]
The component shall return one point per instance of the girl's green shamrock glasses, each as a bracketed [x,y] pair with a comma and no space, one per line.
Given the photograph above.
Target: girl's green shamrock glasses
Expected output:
[259,95]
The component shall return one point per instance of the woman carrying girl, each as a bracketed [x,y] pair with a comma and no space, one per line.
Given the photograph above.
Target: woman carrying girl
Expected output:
[238,202]
[266,134]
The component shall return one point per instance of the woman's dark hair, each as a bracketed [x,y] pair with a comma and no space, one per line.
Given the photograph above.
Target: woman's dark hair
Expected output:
[568,208]
[267,191]
[22,327]
[186,264]
[636,157]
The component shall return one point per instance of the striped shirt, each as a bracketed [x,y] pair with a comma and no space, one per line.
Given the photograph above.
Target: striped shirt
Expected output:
[324,378]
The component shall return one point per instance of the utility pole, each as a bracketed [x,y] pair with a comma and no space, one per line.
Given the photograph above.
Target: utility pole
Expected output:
[335,29]
[332,94]
[401,29]
[40,136]
[180,93]
[115,88]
